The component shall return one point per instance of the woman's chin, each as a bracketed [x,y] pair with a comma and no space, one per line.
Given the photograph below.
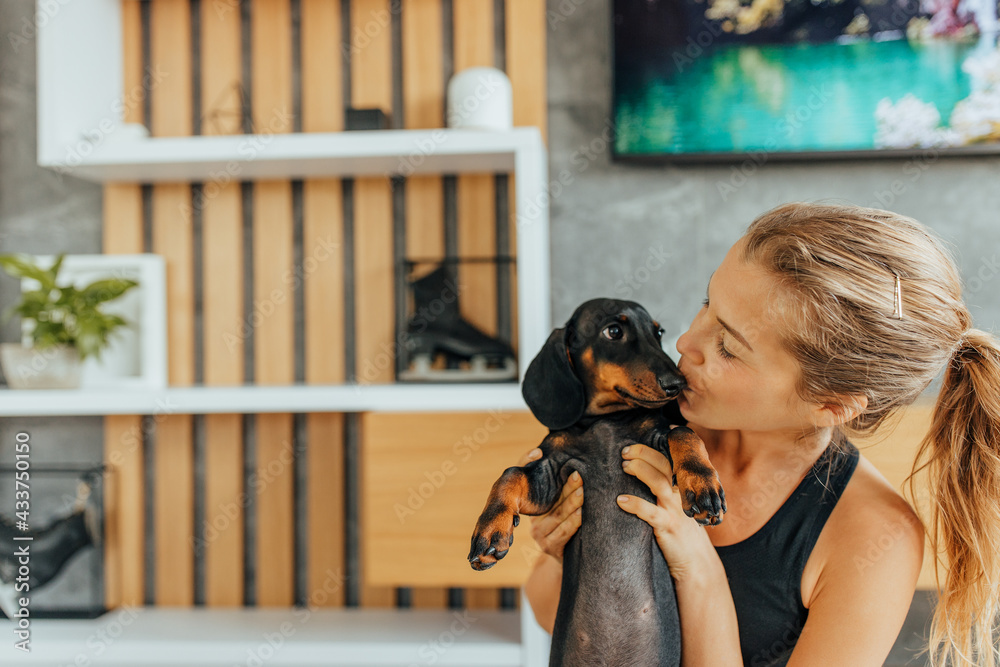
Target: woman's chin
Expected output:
[683,406]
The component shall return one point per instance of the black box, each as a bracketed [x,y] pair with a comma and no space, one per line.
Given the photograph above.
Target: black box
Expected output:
[365,119]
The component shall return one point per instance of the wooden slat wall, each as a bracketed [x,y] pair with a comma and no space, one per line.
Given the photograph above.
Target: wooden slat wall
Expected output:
[274,347]
[525,50]
[371,87]
[474,47]
[123,440]
[323,248]
[423,107]
[173,503]
[223,340]
[170,229]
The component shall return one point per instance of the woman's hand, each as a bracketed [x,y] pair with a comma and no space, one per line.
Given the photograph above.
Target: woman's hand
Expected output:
[552,531]
[685,544]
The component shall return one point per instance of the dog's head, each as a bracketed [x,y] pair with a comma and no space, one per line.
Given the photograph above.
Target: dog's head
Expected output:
[607,358]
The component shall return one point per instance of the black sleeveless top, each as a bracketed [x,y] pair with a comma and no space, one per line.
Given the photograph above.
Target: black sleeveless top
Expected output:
[765,570]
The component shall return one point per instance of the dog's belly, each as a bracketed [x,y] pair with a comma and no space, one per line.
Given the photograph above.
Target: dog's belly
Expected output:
[617,606]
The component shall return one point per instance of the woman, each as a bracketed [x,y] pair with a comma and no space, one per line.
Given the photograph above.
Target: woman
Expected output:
[820,322]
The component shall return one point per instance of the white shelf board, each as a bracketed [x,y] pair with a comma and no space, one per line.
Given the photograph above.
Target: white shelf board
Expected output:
[138,159]
[200,637]
[262,399]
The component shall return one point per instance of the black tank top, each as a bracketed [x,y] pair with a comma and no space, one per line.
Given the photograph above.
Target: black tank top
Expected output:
[765,570]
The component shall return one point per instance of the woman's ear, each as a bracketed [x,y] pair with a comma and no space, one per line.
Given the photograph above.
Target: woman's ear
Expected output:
[841,412]
[551,388]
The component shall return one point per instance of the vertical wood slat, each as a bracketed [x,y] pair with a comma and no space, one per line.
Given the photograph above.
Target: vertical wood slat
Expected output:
[222,225]
[371,86]
[474,31]
[274,357]
[423,105]
[526,47]
[170,50]
[132,56]
[124,499]
[322,238]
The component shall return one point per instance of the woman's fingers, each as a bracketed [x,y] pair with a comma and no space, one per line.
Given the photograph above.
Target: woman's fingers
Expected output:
[654,515]
[651,467]
[650,456]
[552,530]
[570,500]
[535,453]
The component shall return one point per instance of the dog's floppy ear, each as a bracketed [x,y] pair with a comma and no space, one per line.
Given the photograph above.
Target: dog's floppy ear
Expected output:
[551,388]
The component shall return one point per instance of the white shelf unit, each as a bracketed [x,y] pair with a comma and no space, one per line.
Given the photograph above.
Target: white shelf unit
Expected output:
[171,637]
[261,399]
[81,132]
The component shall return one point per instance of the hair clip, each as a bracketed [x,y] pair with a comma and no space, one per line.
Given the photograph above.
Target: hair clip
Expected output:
[897,305]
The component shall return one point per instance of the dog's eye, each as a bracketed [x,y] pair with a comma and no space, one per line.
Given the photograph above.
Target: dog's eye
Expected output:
[612,332]
[659,333]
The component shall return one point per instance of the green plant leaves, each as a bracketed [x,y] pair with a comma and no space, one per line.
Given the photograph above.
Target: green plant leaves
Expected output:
[105,290]
[65,315]
[21,266]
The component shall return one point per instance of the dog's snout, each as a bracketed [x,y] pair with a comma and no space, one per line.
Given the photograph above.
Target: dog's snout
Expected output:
[672,385]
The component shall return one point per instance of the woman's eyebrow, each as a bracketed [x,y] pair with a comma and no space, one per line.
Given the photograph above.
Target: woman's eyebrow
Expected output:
[735,334]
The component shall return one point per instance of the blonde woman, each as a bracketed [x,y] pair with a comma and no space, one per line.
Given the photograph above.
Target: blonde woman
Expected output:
[818,324]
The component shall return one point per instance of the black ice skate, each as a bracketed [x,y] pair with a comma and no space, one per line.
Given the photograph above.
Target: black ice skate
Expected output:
[50,549]
[437,328]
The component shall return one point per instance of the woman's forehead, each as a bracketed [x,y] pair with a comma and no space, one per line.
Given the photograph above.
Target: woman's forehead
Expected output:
[744,296]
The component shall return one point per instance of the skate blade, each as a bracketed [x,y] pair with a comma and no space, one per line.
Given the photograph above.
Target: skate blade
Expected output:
[478,371]
[8,599]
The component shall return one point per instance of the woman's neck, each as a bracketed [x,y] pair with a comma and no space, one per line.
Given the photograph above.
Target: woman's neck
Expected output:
[742,452]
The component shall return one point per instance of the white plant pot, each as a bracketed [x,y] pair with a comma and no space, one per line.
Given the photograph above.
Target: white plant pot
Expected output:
[52,368]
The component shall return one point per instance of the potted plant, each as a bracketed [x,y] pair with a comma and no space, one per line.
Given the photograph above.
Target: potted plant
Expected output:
[66,325]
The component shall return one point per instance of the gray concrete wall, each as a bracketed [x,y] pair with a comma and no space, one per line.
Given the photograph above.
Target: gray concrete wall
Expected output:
[45,213]
[613,220]
[40,212]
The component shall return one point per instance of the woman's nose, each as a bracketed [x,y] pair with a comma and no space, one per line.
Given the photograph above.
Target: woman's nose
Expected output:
[687,348]
[690,344]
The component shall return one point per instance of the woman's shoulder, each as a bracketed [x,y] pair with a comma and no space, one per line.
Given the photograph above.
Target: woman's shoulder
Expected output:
[871,528]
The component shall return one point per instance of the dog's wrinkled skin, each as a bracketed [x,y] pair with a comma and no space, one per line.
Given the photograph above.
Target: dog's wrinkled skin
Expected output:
[601,383]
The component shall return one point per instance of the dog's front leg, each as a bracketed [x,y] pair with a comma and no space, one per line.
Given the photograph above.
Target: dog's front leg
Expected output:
[702,496]
[530,490]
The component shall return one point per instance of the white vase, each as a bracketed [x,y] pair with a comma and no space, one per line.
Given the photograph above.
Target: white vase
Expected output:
[52,368]
[480,98]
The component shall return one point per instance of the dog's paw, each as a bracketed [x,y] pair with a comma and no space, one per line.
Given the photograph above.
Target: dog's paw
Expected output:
[701,491]
[492,539]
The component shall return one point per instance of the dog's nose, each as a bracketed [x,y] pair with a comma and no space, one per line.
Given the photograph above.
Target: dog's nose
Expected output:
[672,386]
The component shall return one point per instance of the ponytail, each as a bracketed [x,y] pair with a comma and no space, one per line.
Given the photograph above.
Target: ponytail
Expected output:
[961,454]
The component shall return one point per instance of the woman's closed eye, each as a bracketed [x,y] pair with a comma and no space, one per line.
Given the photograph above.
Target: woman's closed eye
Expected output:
[720,343]
[723,352]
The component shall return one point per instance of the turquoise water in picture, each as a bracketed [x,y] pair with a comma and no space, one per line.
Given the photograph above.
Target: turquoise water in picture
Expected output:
[783,97]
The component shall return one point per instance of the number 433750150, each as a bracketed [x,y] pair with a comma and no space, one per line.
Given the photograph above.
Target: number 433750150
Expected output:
[22,496]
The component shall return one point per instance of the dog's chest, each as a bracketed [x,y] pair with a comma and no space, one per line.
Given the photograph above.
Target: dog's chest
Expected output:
[596,454]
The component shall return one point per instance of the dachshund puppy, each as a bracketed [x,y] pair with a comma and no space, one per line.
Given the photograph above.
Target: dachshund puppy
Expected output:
[601,383]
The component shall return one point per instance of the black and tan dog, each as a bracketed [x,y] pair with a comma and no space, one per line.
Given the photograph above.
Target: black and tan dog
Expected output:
[601,383]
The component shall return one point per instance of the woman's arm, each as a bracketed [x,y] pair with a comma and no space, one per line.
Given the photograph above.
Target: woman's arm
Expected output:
[709,631]
[542,590]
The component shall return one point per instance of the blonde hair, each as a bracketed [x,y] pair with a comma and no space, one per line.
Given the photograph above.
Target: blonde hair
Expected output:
[839,265]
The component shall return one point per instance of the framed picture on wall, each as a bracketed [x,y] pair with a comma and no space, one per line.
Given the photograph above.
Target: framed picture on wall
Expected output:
[716,79]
